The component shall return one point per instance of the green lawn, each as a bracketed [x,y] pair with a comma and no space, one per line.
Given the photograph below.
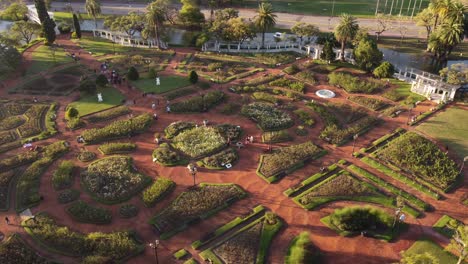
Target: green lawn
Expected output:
[88,104]
[100,46]
[422,246]
[449,127]
[325,7]
[43,59]
[64,16]
[168,83]
[403,89]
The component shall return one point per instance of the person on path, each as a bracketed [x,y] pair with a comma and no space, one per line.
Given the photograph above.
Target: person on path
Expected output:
[168,109]
[155,116]
[251,139]
[7,220]
[153,106]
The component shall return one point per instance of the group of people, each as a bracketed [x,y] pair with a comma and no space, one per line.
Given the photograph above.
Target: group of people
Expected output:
[80,139]
[249,140]
[115,78]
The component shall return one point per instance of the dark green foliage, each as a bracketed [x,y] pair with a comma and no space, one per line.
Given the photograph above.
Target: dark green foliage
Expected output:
[200,103]
[302,251]
[48,29]
[84,212]
[367,55]
[356,219]
[10,58]
[328,54]
[71,113]
[64,28]
[167,157]
[384,70]
[63,176]
[101,80]
[133,74]
[41,10]
[193,77]
[157,191]
[152,73]
[293,69]
[77,26]
[15,250]
[128,210]
[354,84]
[68,196]
[88,86]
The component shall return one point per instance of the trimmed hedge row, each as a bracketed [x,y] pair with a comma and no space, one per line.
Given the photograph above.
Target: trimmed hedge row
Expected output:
[353,84]
[157,191]
[276,136]
[199,104]
[63,176]
[108,114]
[118,129]
[116,148]
[370,103]
[292,191]
[86,213]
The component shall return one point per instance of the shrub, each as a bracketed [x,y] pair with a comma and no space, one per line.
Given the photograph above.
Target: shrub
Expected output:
[193,77]
[371,103]
[276,136]
[74,35]
[86,156]
[101,80]
[302,251]
[64,28]
[84,212]
[115,148]
[88,86]
[293,69]
[384,70]
[165,156]
[200,103]
[199,141]
[71,113]
[152,73]
[133,74]
[128,210]
[305,117]
[301,131]
[267,116]
[356,219]
[68,196]
[353,84]
[219,160]
[204,85]
[157,191]
[118,129]
[63,176]
[262,96]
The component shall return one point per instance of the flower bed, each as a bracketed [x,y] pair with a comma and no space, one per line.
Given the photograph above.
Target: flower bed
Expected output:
[193,205]
[18,160]
[287,159]
[175,128]
[116,245]
[165,156]
[219,160]
[289,84]
[15,250]
[306,76]
[128,211]
[276,136]
[354,220]
[157,191]
[86,156]
[353,84]
[113,180]
[34,116]
[305,117]
[5,188]
[118,129]
[201,103]
[199,141]
[371,103]
[108,114]
[116,148]
[262,80]
[421,158]
[11,122]
[267,116]
[84,212]
[266,97]
[68,196]
[339,136]
[63,175]
[233,132]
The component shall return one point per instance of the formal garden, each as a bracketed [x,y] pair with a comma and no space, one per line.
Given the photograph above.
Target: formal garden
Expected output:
[132,153]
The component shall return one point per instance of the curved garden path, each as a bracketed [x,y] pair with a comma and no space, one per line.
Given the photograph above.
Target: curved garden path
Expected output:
[335,248]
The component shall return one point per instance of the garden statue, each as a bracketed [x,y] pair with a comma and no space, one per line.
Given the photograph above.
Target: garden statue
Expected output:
[158,82]
[99,97]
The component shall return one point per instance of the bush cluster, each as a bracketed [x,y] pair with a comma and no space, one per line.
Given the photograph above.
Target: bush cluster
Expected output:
[128,210]
[68,196]
[288,84]
[356,219]
[165,156]
[116,148]
[200,103]
[218,160]
[157,191]
[84,212]
[63,175]
[354,84]
[267,116]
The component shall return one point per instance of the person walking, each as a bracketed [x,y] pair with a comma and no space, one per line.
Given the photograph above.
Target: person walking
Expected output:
[7,220]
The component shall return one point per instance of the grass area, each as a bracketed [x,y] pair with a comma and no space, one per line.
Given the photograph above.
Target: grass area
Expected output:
[43,59]
[403,90]
[101,46]
[424,245]
[301,250]
[88,103]
[168,83]
[67,16]
[360,8]
[450,128]
[417,46]
[446,226]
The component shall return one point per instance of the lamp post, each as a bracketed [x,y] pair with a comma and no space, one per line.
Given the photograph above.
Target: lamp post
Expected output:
[113,43]
[148,62]
[193,171]
[218,73]
[155,246]
[354,143]
[463,164]
[409,114]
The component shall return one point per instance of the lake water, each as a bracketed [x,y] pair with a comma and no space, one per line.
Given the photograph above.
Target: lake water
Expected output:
[5,25]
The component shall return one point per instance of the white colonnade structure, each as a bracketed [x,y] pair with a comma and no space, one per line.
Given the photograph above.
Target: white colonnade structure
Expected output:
[124,40]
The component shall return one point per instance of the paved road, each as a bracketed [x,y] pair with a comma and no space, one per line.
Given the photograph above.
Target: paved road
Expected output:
[285,20]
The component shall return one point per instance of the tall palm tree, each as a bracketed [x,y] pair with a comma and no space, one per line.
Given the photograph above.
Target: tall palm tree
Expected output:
[265,19]
[441,10]
[451,34]
[155,17]
[345,31]
[457,13]
[93,8]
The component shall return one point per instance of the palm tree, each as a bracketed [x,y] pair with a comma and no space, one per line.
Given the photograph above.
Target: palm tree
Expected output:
[451,34]
[346,30]
[456,14]
[441,10]
[93,8]
[155,18]
[265,19]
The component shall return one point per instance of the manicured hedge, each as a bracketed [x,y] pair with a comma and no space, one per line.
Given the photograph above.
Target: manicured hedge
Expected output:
[63,176]
[118,129]
[157,191]
[302,251]
[354,84]
[108,114]
[219,160]
[116,245]
[267,116]
[201,103]
[165,156]
[287,159]
[68,196]
[116,148]
[368,102]
[86,213]
[276,136]
[15,250]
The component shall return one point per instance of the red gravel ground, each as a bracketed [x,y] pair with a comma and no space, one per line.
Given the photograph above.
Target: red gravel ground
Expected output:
[335,248]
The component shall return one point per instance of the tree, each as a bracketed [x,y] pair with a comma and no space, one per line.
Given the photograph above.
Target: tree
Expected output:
[302,29]
[133,74]
[425,19]
[93,8]
[87,85]
[384,23]
[367,55]
[16,11]
[455,74]
[265,19]
[41,10]
[71,113]
[129,24]
[193,77]
[77,26]
[10,58]
[345,31]
[402,28]
[190,14]
[101,80]
[328,54]
[155,17]
[238,29]
[459,242]
[48,24]
[385,70]
[25,31]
